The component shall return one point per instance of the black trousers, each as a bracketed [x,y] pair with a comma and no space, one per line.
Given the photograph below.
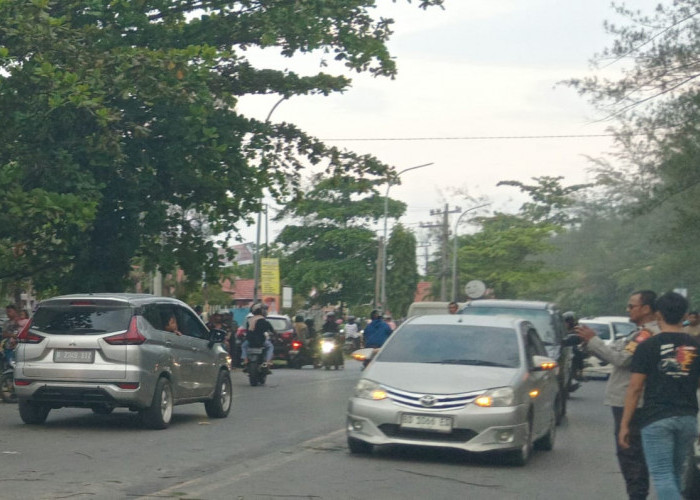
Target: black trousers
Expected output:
[631,460]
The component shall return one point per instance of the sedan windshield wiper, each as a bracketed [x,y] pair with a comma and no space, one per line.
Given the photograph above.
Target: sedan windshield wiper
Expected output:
[476,362]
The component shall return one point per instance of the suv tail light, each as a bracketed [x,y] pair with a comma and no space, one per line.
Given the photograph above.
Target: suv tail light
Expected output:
[26,337]
[131,337]
[287,335]
[296,344]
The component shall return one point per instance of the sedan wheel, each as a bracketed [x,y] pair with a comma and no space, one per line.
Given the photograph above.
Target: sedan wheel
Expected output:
[360,447]
[546,442]
[33,413]
[521,456]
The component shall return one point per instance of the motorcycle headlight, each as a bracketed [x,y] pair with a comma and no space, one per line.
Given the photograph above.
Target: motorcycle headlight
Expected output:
[503,396]
[367,389]
[327,346]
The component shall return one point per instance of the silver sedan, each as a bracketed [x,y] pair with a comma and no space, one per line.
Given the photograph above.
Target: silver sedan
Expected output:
[479,384]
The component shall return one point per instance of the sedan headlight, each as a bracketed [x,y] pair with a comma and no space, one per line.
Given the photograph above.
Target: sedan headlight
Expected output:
[367,389]
[503,396]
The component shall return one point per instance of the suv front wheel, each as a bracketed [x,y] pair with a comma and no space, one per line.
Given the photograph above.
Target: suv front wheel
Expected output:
[220,404]
[159,414]
[33,413]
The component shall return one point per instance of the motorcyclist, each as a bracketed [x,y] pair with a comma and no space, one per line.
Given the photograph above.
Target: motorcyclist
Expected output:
[377,331]
[330,325]
[257,330]
[352,332]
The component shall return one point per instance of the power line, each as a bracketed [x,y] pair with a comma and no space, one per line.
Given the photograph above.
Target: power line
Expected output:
[474,137]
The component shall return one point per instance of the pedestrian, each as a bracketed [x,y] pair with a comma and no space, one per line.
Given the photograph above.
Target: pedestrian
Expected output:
[10,330]
[452,307]
[693,326]
[377,331]
[641,311]
[666,368]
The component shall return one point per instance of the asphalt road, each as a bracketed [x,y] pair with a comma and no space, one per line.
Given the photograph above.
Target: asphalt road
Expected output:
[286,440]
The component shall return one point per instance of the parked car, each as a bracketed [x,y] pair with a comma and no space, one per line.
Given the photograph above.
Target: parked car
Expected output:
[609,329]
[549,324]
[102,351]
[478,384]
[283,335]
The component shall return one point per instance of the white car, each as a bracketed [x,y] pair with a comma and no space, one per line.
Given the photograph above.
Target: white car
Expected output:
[609,329]
[473,383]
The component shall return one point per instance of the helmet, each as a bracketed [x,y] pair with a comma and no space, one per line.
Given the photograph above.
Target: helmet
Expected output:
[257,308]
[351,318]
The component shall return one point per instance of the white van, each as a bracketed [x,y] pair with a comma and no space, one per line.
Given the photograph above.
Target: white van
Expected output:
[429,308]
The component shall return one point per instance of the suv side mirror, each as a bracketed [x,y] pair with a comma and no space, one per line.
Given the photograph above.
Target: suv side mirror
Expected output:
[216,336]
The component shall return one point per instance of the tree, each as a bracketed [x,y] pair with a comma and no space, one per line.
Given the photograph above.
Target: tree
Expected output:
[330,254]
[503,254]
[402,271]
[121,137]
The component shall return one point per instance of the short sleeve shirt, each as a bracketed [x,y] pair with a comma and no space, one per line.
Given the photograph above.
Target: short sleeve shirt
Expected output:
[672,366]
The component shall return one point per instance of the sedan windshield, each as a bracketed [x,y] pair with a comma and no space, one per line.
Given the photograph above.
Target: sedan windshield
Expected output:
[538,317]
[453,344]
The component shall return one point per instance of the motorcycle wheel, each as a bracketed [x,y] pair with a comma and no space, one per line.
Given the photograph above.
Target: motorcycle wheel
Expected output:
[7,388]
[253,374]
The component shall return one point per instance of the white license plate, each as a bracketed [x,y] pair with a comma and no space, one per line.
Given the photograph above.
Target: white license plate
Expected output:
[426,422]
[74,356]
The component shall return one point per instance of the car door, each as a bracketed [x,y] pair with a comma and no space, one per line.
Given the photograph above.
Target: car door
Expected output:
[204,358]
[542,381]
[179,351]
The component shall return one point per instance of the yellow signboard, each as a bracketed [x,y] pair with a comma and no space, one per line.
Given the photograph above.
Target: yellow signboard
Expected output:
[270,276]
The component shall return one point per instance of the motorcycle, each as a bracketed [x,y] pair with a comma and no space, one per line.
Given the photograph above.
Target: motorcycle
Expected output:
[257,368]
[7,383]
[351,345]
[301,354]
[331,351]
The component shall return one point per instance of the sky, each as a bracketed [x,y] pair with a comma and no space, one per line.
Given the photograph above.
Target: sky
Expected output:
[476,69]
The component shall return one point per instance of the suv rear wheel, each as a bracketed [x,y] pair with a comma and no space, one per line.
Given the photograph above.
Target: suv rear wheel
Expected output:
[159,414]
[33,413]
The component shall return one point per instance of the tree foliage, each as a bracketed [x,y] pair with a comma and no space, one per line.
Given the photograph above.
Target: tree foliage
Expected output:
[330,253]
[121,137]
[402,271]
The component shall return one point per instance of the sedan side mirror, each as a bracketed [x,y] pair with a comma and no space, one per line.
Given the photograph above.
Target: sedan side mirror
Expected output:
[543,364]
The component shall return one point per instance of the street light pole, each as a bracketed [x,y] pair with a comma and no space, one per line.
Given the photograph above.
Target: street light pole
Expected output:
[386,213]
[454,250]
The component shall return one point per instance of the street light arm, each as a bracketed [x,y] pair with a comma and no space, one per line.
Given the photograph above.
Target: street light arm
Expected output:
[454,249]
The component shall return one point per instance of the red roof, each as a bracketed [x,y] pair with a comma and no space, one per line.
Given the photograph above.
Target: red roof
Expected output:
[243,289]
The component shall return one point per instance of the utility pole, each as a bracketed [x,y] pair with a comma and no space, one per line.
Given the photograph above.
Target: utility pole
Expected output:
[425,245]
[444,244]
[378,280]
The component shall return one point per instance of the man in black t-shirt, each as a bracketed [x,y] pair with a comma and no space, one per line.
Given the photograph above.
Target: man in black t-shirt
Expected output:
[666,369]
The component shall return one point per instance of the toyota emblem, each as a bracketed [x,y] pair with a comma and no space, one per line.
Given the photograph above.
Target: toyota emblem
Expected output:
[428,401]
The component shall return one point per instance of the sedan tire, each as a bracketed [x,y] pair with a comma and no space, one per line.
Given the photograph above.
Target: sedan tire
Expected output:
[546,442]
[521,456]
[359,447]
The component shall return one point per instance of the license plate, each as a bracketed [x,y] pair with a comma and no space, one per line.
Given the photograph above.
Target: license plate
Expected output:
[426,422]
[74,356]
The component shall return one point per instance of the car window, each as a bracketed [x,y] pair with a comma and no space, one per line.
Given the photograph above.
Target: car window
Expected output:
[540,318]
[453,344]
[624,329]
[601,329]
[279,324]
[190,325]
[81,319]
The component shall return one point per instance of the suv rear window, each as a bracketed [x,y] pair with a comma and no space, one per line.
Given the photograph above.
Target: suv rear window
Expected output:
[81,320]
[280,324]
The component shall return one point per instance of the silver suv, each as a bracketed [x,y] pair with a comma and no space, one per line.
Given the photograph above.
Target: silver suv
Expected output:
[103,351]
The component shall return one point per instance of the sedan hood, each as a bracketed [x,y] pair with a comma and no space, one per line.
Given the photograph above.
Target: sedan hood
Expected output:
[440,379]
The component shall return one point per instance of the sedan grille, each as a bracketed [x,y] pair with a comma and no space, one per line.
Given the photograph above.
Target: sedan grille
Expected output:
[436,402]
